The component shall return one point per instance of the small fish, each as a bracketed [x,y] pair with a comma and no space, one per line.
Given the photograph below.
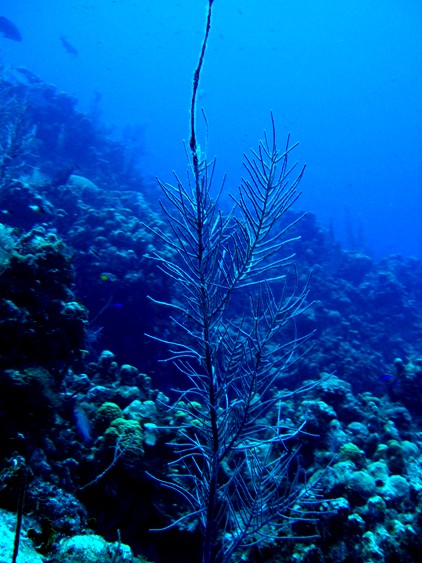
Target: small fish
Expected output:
[387,378]
[82,424]
[9,29]
[95,252]
[38,209]
[68,46]
[107,277]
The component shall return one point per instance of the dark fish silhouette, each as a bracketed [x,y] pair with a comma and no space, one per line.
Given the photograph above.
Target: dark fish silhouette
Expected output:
[9,29]
[68,46]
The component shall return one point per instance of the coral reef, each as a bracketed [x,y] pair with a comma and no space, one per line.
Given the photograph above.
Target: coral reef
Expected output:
[84,400]
[41,322]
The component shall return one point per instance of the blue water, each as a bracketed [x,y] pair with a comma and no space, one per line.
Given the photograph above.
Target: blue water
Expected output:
[345,78]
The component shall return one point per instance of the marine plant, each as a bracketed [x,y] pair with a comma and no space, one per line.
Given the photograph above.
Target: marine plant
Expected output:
[236,463]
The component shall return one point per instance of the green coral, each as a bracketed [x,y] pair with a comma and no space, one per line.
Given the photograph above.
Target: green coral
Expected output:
[351,452]
[105,415]
[124,438]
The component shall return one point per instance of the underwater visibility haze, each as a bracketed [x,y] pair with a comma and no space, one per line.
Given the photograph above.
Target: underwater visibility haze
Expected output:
[344,78]
[210,281]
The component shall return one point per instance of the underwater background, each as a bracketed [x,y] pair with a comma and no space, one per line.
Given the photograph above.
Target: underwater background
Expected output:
[344,78]
[94,107]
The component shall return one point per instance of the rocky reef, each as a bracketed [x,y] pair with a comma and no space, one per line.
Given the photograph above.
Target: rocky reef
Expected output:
[88,413]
